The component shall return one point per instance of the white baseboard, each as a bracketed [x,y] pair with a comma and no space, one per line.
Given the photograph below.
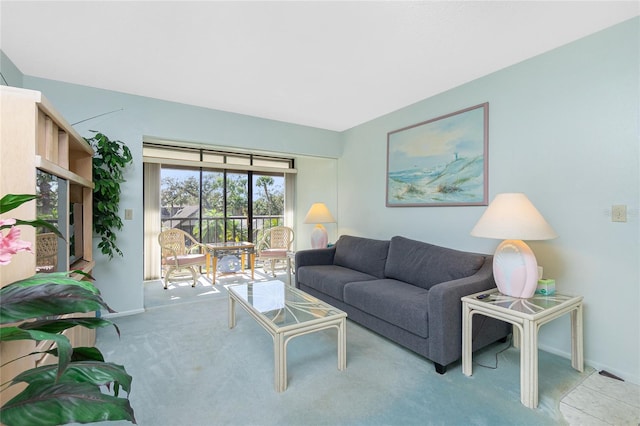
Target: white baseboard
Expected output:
[123,314]
[596,365]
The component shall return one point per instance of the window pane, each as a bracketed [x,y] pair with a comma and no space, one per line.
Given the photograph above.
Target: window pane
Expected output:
[180,199]
[213,206]
[237,207]
[268,202]
[225,209]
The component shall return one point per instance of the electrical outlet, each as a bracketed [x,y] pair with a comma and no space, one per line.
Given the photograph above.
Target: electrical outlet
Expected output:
[128,214]
[619,213]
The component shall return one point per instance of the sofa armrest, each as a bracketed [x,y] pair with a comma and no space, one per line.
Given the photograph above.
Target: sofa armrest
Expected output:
[322,256]
[445,312]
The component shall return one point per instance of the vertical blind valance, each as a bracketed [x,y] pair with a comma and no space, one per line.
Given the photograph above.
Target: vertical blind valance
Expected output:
[215,159]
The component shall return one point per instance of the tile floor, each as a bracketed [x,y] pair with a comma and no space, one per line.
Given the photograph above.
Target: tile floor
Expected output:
[602,401]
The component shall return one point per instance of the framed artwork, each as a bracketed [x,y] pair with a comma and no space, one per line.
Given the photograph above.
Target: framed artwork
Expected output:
[440,162]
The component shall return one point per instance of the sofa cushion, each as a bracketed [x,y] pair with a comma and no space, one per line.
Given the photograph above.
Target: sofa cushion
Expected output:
[395,302]
[329,279]
[362,254]
[426,265]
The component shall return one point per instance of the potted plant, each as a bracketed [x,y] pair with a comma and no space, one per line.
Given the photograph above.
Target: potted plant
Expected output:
[109,161]
[81,387]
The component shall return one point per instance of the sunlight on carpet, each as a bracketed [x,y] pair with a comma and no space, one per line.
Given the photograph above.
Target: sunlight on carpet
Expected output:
[180,290]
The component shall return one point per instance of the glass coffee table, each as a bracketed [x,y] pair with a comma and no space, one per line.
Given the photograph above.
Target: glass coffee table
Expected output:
[286,312]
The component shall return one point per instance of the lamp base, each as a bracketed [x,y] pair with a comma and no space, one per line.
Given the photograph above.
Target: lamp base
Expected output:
[319,237]
[515,269]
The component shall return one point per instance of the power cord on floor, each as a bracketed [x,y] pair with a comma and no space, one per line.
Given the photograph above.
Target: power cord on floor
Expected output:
[496,355]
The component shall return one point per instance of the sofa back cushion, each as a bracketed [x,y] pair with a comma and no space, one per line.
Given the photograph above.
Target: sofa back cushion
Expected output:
[362,254]
[425,265]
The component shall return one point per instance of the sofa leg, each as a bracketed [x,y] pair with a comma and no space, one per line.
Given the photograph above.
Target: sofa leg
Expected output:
[440,369]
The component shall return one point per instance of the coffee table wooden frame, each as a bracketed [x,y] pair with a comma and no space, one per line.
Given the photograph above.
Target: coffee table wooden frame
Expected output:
[282,335]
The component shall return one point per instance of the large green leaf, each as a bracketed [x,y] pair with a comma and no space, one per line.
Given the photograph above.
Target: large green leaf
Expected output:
[95,372]
[56,278]
[61,341]
[11,201]
[38,223]
[61,324]
[82,353]
[54,404]
[25,302]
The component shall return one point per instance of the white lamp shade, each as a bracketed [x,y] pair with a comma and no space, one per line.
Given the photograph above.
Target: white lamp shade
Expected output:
[511,216]
[319,213]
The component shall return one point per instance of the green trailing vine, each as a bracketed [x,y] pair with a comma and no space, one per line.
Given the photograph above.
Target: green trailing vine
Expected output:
[109,161]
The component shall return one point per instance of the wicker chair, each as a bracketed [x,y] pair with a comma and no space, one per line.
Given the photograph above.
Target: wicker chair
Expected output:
[273,247]
[181,251]
[46,252]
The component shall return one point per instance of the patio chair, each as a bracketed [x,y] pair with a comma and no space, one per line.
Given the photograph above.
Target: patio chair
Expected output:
[46,252]
[181,251]
[274,246]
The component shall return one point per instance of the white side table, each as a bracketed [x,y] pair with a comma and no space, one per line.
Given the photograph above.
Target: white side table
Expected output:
[526,315]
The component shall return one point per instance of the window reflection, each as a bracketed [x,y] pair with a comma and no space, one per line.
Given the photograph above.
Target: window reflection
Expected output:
[46,210]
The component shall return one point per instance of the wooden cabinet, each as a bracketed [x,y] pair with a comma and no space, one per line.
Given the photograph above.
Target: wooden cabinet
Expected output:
[35,141]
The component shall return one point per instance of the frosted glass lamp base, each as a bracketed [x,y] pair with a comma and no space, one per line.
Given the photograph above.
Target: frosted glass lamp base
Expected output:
[319,237]
[515,269]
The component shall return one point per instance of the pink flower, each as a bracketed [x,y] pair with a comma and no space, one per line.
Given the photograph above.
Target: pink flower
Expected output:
[11,243]
[7,222]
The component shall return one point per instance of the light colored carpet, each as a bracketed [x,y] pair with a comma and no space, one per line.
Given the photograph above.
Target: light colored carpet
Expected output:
[189,368]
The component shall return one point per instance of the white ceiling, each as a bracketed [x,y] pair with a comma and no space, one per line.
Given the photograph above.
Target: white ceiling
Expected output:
[332,65]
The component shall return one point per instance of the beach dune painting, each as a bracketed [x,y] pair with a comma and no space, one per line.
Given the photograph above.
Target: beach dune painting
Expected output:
[440,162]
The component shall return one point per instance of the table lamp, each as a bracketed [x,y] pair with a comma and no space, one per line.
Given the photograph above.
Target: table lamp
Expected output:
[319,214]
[514,218]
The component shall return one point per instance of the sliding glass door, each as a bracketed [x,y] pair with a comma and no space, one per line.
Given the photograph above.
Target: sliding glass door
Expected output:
[220,205]
[215,195]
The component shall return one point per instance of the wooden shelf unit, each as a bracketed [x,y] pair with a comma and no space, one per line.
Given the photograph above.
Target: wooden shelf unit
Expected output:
[33,135]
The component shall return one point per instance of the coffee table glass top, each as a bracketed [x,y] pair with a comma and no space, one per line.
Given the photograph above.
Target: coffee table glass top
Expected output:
[281,304]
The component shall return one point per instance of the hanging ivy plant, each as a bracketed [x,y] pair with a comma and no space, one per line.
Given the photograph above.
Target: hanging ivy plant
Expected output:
[109,162]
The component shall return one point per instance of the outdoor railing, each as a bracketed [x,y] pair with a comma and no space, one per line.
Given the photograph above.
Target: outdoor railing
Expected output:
[213,228]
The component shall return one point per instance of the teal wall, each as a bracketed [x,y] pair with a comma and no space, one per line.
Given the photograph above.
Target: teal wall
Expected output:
[11,75]
[563,129]
[135,117]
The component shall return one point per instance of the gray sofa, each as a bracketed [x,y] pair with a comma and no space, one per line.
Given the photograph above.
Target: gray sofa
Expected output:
[406,290]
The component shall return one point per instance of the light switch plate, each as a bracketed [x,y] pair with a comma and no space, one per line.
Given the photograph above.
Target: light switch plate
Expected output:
[128,214]
[619,213]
